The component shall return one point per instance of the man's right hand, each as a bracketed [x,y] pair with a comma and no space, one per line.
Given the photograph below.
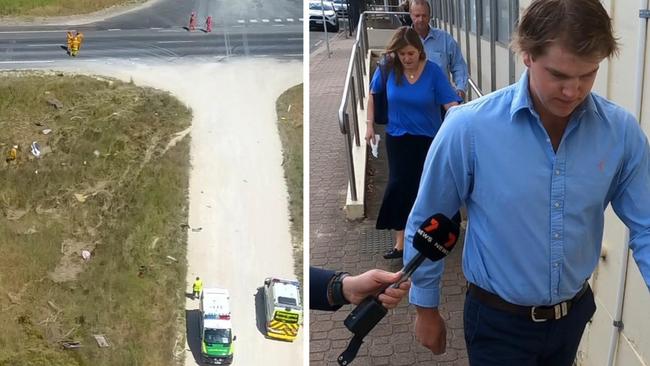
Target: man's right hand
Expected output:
[370,133]
[430,330]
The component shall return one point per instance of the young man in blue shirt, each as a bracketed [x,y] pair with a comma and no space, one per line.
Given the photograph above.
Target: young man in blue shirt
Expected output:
[536,165]
[439,46]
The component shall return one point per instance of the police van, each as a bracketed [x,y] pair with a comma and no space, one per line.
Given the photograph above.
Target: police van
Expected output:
[283,308]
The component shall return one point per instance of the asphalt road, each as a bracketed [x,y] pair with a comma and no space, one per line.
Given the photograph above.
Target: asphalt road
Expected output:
[247,28]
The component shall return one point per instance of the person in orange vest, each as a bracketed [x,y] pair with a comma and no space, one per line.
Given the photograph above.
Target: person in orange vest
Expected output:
[208,24]
[192,21]
[69,37]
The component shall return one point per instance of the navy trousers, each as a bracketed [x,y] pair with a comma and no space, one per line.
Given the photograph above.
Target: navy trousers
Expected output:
[497,338]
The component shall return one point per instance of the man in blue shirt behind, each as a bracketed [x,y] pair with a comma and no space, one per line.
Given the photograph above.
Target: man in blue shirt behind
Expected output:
[439,46]
[536,165]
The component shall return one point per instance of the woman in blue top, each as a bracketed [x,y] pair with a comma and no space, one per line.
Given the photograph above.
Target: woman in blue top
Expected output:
[415,89]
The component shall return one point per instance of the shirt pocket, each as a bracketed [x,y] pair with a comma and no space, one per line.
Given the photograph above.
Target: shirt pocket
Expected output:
[439,59]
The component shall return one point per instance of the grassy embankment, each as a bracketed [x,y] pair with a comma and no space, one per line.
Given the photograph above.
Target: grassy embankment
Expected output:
[105,183]
[45,8]
[289,108]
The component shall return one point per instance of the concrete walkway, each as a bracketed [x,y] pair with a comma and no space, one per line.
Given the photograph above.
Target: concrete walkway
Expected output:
[339,244]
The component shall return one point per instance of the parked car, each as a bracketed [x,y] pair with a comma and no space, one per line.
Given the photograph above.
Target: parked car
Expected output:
[316,15]
[341,7]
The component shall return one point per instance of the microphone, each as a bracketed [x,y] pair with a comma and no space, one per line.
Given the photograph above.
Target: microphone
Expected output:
[434,239]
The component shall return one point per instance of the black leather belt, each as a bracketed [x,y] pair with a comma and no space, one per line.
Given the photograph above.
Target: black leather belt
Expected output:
[536,313]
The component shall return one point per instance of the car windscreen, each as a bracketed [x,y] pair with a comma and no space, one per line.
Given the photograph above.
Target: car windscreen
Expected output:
[316,6]
[221,336]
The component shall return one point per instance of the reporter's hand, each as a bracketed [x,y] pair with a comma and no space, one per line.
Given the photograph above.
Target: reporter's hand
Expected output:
[357,288]
[430,330]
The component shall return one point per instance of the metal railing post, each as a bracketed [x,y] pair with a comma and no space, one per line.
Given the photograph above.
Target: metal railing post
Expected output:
[355,118]
[493,44]
[468,26]
[348,146]
[479,29]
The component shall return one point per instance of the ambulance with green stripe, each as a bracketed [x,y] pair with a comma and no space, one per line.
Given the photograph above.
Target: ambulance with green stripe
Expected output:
[283,308]
[216,328]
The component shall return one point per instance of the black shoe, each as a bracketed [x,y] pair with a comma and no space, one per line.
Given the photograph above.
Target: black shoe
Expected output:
[394,253]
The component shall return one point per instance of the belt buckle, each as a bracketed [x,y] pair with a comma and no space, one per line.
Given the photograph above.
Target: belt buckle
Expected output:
[535,319]
[560,310]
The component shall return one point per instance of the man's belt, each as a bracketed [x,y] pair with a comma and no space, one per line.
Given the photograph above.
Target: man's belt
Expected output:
[536,313]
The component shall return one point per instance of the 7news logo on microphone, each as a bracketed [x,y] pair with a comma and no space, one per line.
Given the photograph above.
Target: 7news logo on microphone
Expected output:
[436,237]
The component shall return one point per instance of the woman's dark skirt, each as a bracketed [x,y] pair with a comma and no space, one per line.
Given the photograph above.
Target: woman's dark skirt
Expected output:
[406,155]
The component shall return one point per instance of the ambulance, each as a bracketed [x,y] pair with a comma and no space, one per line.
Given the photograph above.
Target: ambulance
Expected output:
[215,327]
[283,308]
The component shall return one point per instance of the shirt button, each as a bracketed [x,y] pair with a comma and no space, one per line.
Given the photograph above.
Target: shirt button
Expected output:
[556,265]
[556,235]
[557,172]
[557,204]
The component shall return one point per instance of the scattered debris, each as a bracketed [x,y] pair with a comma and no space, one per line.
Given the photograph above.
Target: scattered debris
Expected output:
[289,109]
[141,271]
[14,299]
[70,344]
[96,153]
[185,226]
[46,131]
[101,340]
[55,102]
[53,306]
[172,258]
[85,254]
[196,230]
[36,149]
[30,231]
[12,154]
[155,241]
[80,197]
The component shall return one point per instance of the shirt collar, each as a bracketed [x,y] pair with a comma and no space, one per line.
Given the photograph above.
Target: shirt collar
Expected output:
[522,100]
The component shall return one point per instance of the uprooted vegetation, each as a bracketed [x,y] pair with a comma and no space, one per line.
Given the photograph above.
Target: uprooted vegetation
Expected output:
[108,182]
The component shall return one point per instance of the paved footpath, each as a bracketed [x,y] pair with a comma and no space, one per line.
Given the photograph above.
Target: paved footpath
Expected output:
[355,246]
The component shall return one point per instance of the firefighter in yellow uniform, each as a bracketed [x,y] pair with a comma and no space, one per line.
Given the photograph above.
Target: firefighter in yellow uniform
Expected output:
[69,37]
[76,43]
[197,288]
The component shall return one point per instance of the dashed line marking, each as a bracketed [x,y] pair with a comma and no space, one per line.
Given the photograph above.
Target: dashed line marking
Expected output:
[253,20]
[265,20]
[27,62]
[114,29]
[174,41]
[289,19]
[241,21]
[278,20]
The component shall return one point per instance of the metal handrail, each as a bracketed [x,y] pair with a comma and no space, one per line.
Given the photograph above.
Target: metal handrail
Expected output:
[354,91]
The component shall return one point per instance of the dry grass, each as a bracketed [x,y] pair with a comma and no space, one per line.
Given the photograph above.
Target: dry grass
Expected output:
[290,127]
[46,8]
[104,183]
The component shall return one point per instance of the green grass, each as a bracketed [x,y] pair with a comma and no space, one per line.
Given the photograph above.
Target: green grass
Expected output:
[56,7]
[290,127]
[108,144]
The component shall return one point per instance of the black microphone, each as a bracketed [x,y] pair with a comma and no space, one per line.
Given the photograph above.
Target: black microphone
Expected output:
[434,239]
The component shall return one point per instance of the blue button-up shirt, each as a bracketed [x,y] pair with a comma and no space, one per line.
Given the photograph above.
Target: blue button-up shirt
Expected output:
[442,49]
[535,216]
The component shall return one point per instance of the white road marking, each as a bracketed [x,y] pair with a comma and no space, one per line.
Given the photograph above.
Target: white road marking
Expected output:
[278,25]
[175,41]
[278,20]
[253,20]
[317,43]
[41,31]
[114,29]
[265,20]
[300,19]
[240,21]
[289,19]
[156,28]
[294,39]
[44,45]
[27,62]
